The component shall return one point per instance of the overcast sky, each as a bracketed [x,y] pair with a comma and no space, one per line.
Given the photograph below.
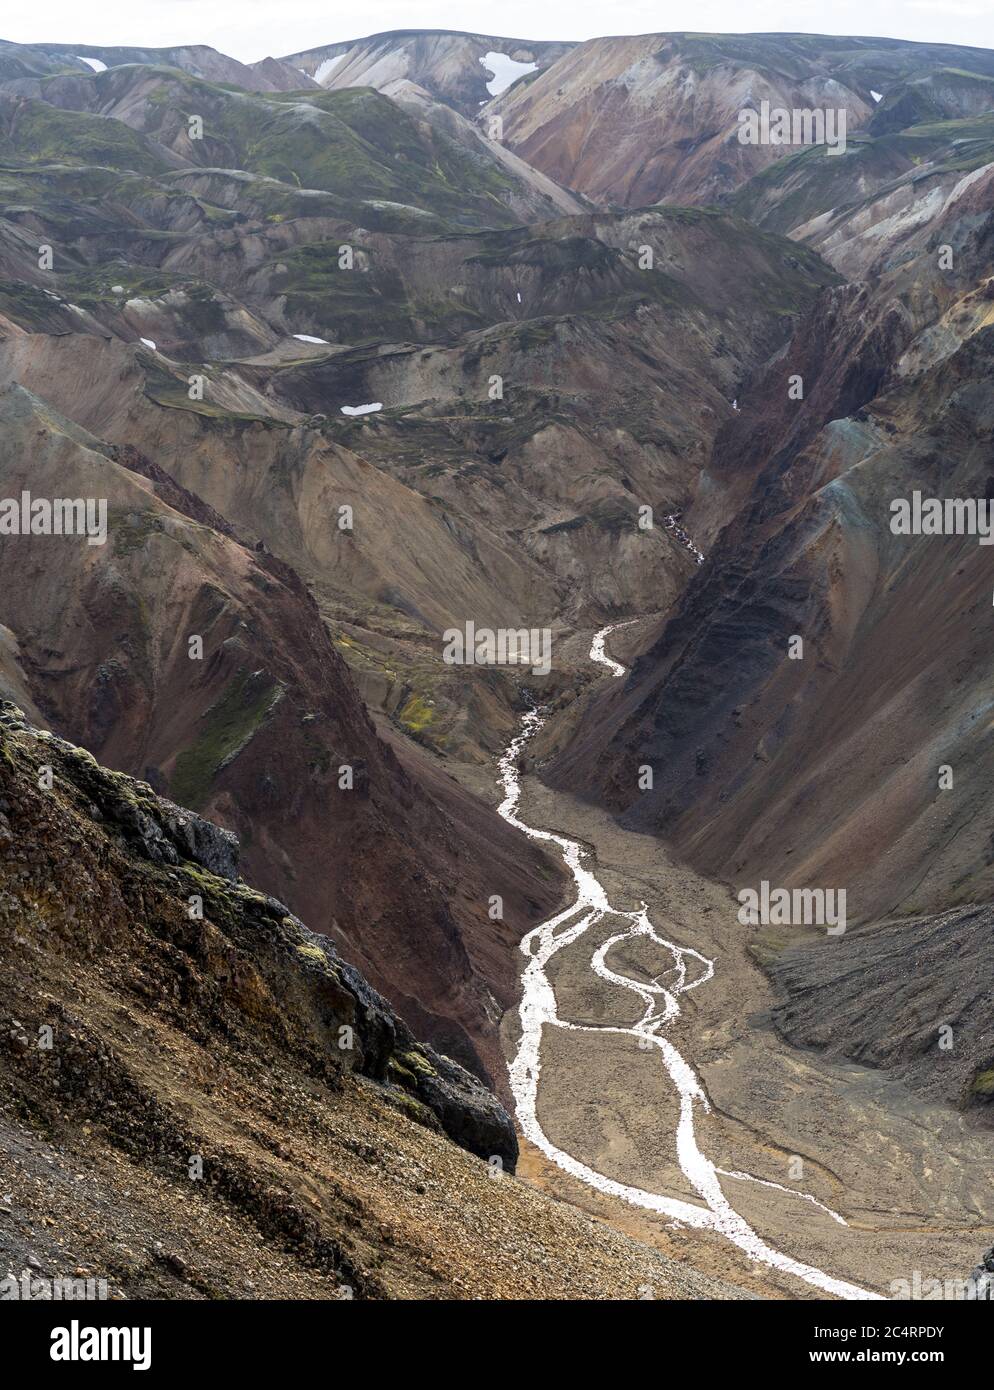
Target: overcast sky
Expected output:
[250,29]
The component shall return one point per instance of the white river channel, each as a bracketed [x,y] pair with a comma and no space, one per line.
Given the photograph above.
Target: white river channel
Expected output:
[661,1005]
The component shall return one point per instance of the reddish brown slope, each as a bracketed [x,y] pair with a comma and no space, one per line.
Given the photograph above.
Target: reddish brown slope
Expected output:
[257,731]
[655,117]
[824,771]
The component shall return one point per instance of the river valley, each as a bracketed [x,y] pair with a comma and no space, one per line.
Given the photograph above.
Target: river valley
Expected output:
[651,1088]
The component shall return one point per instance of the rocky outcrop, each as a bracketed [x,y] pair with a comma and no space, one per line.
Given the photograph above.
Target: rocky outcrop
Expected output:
[200,1100]
[316,992]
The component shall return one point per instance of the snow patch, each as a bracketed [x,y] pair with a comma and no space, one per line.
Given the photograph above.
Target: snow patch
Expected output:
[877,96]
[328,67]
[149,344]
[362,409]
[93,63]
[503,71]
[385,205]
[306,338]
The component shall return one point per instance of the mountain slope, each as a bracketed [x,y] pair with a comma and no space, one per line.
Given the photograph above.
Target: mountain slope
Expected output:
[445,63]
[826,769]
[251,1119]
[354,145]
[259,730]
[859,210]
[656,117]
[520,508]
[198,60]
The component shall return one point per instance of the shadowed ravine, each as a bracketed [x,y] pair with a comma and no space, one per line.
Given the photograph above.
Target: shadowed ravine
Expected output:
[538,1009]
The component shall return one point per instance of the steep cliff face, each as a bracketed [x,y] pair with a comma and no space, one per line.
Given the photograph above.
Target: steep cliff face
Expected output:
[290,982]
[252,1119]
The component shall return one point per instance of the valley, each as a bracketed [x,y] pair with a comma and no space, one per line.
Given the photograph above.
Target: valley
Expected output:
[498,456]
[788,1157]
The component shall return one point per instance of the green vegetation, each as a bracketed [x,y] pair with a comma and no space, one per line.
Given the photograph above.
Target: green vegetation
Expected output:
[43,134]
[93,287]
[130,530]
[416,714]
[362,307]
[26,304]
[356,145]
[805,184]
[983,1084]
[226,727]
[310,952]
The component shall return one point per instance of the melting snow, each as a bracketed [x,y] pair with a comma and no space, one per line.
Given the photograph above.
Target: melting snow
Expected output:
[93,63]
[148,343]
[503,71]
[362,409]
[306,338]
[877,96]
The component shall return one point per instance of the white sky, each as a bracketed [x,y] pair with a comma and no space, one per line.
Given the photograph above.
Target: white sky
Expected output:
[251,29]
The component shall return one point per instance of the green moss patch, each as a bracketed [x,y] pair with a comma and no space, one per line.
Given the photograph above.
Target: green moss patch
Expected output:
[226,728]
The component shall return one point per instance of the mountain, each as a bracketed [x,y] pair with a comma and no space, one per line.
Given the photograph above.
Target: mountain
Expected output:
[829,769]
[199,60]
[451,66]
[359,355]
[258,730]
[859,210]
[226,264]
[252,1119]
[368,156]
[656,118]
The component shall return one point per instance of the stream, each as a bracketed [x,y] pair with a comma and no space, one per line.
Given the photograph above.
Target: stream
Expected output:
[660,1007]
